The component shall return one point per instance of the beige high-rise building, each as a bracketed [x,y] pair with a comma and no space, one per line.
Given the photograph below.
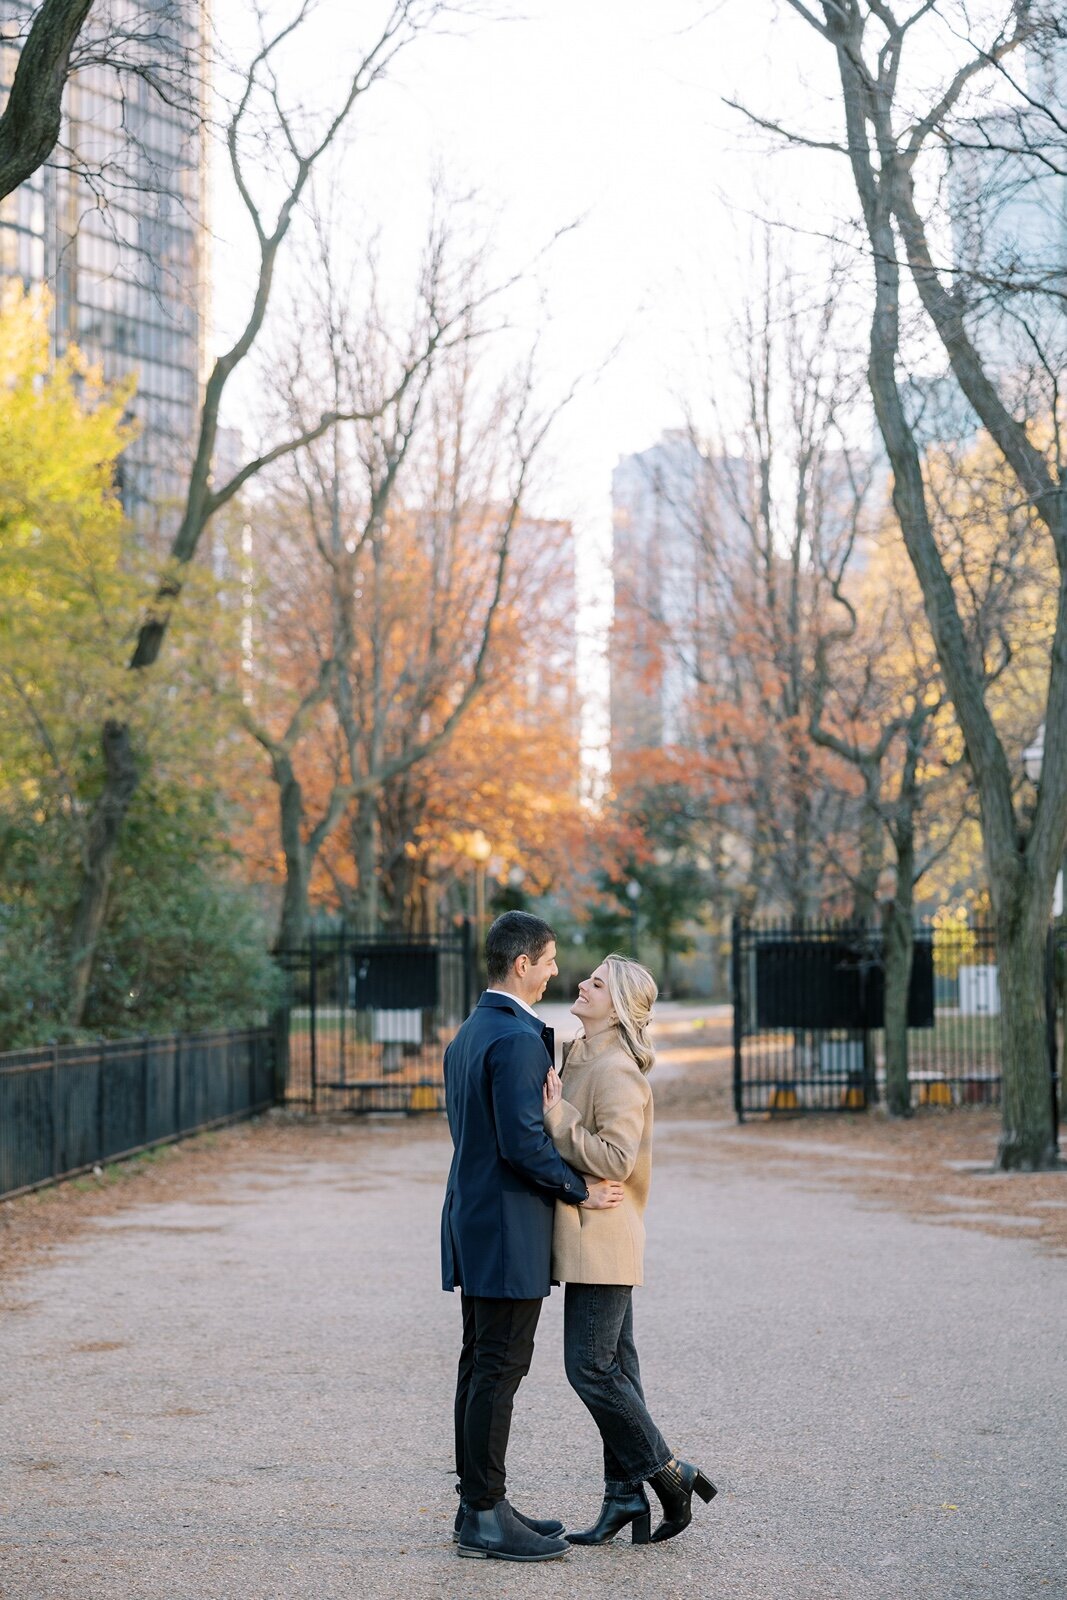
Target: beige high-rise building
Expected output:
[675,530]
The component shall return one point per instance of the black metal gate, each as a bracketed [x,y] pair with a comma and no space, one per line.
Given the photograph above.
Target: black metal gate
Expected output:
[369,1015]
[809,1004]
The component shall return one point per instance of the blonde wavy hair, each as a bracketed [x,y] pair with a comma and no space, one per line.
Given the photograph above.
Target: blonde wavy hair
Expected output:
[633,992]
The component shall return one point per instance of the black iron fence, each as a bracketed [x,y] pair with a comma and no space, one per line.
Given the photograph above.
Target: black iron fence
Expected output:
[809,1004]
[369,1016]
[66,1108]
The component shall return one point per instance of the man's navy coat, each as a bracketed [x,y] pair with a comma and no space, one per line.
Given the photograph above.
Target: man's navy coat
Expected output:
[496,1226]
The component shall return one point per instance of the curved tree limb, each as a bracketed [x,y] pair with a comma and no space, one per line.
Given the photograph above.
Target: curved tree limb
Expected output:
[29,127]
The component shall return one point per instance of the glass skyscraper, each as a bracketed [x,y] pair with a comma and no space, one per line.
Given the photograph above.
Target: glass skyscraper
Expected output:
[114,225]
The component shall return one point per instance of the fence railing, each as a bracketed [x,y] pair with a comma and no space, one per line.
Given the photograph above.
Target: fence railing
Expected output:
[67,1108]
[369,1016]
[809,1015]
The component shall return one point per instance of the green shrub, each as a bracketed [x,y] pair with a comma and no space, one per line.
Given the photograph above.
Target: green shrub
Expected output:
[184,945]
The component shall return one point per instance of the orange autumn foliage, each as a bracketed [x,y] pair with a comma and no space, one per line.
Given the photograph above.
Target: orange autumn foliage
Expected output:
[511,767]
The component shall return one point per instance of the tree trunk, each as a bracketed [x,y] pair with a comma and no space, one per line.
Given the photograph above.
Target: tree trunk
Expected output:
[293,926]
[365,849]
[121,778]
[666,983]
[720,958]
[27,131]
[1027,1140]
[803,874]
[404,913]
[871,850]
[1020,902]
[900,921]
[899,937]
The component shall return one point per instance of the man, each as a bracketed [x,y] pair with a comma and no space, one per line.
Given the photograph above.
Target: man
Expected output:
[496,1226]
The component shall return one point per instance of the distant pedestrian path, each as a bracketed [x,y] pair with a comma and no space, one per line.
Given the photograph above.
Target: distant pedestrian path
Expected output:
[243,1390]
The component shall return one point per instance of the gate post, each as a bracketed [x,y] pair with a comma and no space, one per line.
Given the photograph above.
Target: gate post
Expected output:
[735,985]
[279,1036]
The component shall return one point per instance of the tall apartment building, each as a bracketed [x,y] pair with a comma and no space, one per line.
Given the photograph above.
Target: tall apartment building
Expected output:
[669,513]
[114,227]
[550,571]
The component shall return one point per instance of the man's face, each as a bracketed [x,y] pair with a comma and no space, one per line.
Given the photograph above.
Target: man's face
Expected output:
[534,975]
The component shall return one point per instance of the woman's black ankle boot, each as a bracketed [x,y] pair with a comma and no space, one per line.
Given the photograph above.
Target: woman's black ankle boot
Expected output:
[615,1513]
[676,1484]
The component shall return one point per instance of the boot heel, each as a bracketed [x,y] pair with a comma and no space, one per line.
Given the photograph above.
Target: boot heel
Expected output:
[641,1529]
[472,1555]
[704,1487]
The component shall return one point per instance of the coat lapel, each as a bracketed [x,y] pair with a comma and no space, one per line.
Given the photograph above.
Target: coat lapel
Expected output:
[501,1002]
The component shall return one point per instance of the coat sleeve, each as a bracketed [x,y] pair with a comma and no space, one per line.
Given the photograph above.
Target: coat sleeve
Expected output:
[611,1150]
[517,1067]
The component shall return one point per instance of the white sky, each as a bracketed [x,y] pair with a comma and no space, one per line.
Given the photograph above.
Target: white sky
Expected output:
[611,111]
[605,110]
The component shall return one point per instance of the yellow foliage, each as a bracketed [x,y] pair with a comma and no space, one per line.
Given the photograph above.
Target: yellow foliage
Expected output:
[73,578]
[955,944]
[65,592]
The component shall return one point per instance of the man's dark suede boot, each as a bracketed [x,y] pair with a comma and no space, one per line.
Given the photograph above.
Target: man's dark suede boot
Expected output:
[543,1525]
[498,1534]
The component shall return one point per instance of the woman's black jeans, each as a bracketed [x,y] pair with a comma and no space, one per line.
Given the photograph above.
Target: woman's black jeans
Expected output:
[602,1369]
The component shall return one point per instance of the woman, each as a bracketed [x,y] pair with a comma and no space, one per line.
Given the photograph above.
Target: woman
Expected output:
[604,1127]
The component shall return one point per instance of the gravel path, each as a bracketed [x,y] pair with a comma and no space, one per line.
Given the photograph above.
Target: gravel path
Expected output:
[246,1393]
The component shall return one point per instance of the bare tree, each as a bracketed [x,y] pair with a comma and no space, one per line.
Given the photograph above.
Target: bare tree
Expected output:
[401,526]
[300,153]
[886,145]
[778,530]
[877,705]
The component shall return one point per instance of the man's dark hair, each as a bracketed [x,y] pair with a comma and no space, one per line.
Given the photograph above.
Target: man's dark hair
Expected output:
[516,933]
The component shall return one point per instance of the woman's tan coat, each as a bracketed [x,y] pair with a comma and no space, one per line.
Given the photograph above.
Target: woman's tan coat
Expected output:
[603,1126]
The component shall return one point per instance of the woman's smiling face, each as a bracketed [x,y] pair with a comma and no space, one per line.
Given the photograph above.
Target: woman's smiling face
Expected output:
[593,1004]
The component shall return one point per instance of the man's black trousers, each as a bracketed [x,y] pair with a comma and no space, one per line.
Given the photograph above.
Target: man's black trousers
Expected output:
[498,1341]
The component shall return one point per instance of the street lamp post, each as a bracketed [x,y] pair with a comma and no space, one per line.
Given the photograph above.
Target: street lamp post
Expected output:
[479,849]
[633,894]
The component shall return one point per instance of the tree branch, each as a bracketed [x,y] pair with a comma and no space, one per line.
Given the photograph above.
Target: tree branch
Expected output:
[771,126]
[29,127]
[970,69]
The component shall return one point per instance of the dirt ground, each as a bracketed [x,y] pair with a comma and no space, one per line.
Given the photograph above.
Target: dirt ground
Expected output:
[937,1165]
